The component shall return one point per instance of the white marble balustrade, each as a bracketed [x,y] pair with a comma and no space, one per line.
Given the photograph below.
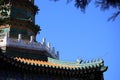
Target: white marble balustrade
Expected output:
[29,44]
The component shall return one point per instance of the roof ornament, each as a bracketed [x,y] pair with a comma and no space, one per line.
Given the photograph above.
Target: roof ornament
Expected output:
[79,61]
[88,61]
[84,61]
[30,19]
[92,61]
[99,59]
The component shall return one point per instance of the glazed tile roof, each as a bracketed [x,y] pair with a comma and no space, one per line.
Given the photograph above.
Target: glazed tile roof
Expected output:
[40,63]
[62,64]
[53,66]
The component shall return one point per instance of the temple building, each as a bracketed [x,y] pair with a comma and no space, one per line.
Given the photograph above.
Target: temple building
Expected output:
[22,57]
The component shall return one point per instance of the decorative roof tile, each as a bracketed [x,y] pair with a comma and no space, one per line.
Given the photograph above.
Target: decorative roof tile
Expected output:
[53,63]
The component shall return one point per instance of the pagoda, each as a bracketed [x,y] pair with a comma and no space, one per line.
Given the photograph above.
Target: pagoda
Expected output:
[18,31]
[22,57]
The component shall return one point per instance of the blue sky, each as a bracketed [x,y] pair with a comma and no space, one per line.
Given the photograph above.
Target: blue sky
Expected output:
[78,35]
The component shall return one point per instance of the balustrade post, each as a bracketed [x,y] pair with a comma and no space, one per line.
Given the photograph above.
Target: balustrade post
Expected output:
[49,45]
[31,39]
[6,36]
[53,50]
[44,42]
[19,37]
[6,39]
[57,54]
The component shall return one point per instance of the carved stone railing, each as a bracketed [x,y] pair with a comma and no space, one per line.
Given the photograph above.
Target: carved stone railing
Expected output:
[6,41]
